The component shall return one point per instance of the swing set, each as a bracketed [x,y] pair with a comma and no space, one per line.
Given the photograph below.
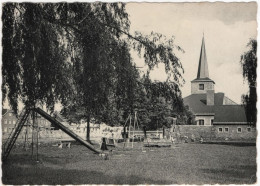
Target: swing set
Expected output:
[127,134]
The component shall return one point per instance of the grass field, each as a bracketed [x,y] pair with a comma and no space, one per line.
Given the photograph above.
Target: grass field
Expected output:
[181,164]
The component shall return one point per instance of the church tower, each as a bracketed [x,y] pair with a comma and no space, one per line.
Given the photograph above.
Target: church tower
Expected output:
[202,84]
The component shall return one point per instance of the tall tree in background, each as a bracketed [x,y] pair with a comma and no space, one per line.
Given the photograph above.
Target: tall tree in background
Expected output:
[249,64]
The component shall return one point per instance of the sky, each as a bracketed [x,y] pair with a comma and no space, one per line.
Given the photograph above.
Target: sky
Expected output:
[227,29]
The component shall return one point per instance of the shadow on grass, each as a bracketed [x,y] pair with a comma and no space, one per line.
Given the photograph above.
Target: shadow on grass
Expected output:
[31,173]
[242,174]
[232,143]
[50,176]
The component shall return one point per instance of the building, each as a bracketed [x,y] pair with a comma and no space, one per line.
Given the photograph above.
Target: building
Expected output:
[8,121]
[227,118]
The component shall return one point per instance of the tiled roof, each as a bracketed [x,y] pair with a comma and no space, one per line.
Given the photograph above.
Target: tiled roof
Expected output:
[4,111]
[203,79]
[198,102]
[230,113]
[223,113]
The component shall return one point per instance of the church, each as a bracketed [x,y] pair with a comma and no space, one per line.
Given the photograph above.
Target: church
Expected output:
[227,118]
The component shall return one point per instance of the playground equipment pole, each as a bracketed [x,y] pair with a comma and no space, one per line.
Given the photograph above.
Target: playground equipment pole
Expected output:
[129,130]
[125,129]
[163,132]
[33,121]
[37,138]
[34,134]
[134,131]
[26,137]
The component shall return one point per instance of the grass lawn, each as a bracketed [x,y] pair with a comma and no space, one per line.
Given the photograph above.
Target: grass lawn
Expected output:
[181,164]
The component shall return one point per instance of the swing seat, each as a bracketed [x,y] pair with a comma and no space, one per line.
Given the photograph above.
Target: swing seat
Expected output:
[109,141]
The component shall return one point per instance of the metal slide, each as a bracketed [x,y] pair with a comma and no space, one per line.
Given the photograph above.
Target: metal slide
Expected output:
[66,130]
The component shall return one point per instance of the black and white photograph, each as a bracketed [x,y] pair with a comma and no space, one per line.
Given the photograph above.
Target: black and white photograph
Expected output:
[129,93]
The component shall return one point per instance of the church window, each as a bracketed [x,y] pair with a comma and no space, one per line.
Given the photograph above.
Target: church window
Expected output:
[201,86]
[239,129]
[201,122]
[220,129]
[226,129]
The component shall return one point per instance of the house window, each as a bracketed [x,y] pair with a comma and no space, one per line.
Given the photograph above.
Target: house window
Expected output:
[5,121]
[14,122]
[5,129]
[226,129]
[201,86]
[239,129]
[220,129]
[248,129]
[201,122]
[212,120]
[9,122]
[10,114]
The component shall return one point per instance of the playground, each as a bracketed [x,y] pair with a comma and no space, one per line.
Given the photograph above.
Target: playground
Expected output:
[183,163]
[148,161]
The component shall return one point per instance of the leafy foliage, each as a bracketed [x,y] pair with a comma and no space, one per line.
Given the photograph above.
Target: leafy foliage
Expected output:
[79,54]
[249,65]
[34,62]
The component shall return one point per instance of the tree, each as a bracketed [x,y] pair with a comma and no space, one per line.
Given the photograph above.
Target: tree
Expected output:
[249,64]
[77,53]
[34,68]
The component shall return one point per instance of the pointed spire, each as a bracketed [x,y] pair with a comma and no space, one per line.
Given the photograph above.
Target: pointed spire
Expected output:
[203,71]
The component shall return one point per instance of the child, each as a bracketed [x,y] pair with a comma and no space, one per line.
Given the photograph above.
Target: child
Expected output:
[103,144]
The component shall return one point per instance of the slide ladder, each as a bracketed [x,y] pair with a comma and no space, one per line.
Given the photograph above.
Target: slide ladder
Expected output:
[15,133]
[66,130]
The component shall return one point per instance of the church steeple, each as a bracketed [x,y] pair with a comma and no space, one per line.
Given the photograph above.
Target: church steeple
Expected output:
[202,84]
[203,71]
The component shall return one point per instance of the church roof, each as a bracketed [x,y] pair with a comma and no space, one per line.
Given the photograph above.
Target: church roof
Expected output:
[203,71]
[199,100]
[222,113]
[230,113]
[203,80]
